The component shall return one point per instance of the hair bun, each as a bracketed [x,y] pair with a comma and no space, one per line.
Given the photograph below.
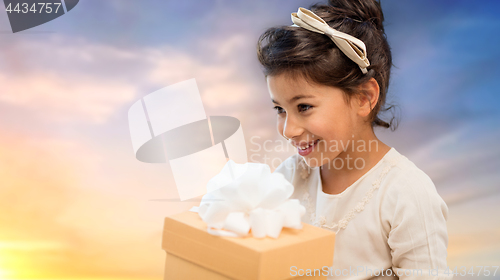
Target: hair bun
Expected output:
[360,10]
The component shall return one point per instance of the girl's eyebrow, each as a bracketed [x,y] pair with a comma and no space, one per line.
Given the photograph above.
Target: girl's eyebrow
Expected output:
[295,98]
[300,96]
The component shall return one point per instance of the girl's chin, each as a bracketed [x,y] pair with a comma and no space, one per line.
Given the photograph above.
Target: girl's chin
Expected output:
[312,162]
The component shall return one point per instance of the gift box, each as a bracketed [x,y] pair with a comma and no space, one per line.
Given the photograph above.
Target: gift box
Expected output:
[193,253]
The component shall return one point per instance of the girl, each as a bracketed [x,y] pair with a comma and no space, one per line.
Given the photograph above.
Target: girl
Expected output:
[328,76]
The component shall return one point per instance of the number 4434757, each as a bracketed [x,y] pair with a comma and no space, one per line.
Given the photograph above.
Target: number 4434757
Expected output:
[473,271]
[25,8]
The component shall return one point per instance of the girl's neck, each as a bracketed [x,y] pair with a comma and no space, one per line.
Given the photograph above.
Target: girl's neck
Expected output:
[359,156]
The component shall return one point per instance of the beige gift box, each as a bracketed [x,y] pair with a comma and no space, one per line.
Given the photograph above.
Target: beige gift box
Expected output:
[193,253]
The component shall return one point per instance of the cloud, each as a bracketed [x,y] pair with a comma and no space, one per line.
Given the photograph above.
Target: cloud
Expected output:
[474,233]
[64,98]
[72,208]
[216,68]
[461,161]
[463,164]
[56,223]
[65,80]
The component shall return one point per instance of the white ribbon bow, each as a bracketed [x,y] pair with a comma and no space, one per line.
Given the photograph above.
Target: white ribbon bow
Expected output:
[351,46]
[248,196]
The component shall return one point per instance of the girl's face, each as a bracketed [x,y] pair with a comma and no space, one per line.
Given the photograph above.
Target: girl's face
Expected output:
[315,118]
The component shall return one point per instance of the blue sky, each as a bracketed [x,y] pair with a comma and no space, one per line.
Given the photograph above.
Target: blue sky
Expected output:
[66,87]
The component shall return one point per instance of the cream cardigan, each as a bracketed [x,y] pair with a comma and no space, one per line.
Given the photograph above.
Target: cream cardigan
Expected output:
[390,221]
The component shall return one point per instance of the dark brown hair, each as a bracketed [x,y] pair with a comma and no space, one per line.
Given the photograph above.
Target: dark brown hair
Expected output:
[314,56]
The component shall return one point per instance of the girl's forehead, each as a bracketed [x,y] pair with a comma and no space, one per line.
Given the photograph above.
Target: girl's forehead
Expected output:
[287,78]
[285,86]
[285,83]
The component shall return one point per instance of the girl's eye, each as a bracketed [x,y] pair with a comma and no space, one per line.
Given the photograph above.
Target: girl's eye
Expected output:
[279,109]
[304,107]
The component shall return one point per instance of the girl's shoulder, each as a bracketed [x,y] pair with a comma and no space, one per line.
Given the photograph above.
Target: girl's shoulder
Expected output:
[406,174]
[407,184]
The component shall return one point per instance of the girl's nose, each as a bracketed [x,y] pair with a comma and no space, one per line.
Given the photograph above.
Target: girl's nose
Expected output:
[291,129]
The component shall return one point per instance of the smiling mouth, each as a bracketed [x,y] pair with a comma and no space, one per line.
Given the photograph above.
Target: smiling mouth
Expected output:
[307,149]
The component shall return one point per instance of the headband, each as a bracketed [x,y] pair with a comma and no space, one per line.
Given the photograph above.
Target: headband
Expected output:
[351,46]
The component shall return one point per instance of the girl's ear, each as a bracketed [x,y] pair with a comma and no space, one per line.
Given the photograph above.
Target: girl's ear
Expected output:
[367,97]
